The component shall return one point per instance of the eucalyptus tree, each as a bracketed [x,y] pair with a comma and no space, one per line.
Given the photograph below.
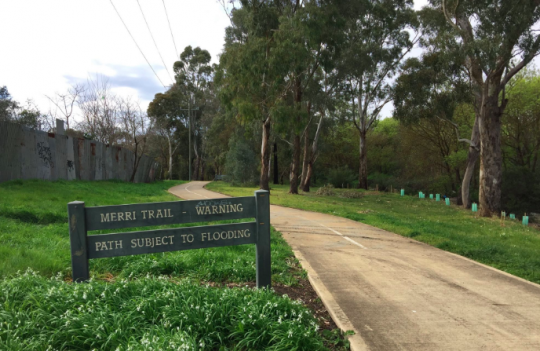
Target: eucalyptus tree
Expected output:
[170,121]
[27,115]
[308,43]
[8,106]
[194,77]
[251,84]
[378,38]
[492,40]
[322,101]
[433,87]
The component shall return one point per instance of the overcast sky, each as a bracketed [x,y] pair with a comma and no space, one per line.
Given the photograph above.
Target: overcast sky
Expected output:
[46,45]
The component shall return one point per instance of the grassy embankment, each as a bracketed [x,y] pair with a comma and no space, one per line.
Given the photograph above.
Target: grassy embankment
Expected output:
[136,302]
[512,248]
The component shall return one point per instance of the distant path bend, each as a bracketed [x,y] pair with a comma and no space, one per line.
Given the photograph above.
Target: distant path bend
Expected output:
[399,294]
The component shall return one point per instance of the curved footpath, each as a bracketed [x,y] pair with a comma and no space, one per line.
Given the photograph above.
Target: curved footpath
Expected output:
[400,294]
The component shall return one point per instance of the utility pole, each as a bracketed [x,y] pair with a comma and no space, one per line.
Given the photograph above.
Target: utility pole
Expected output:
[189,129]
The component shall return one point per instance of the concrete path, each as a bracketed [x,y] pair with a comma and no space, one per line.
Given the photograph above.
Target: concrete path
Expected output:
[399,294]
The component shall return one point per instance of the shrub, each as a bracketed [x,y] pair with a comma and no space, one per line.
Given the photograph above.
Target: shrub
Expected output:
[325,190]
[341,177]
[521,191]
[241,163]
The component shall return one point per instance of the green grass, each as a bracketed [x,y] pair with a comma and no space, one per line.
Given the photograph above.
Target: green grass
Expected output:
[34,234]
[174,300]
[513,248]
[33,218]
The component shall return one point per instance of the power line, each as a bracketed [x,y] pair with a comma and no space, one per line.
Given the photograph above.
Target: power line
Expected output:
[174,41]
[154,40]
[138,47]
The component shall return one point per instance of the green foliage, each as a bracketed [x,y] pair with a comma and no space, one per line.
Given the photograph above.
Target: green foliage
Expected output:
[384,181]
[7,105]
[512,248]
[37,313]
[521,191]
[338,338]
[341,177]
[242,162]
[28,115]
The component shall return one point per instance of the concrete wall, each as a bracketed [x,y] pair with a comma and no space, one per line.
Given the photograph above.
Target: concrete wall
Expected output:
[31,154]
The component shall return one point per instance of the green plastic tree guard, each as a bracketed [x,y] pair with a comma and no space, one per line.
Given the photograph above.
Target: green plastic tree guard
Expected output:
[402,192]
[525,220]
[431,196]
[512,216]
[447,201]
[438,197]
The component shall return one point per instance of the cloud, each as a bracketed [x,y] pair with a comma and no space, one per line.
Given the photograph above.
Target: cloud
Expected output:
[139,79]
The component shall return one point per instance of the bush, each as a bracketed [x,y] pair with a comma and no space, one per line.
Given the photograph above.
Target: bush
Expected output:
[325,190]
[241,163]
[521,191]
[384,181]
[341,177]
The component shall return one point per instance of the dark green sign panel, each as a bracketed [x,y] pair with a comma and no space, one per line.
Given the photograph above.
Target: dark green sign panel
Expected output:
[85,247]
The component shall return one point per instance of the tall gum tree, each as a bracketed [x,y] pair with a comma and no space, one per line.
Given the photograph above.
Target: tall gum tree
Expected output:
[492,40]
[170,121]
[377,40]
[433,87]
[194,75]
[308,43]
[250,82]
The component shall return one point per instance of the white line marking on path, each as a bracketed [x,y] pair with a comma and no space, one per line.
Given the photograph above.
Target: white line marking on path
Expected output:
[335,231]
[187,188]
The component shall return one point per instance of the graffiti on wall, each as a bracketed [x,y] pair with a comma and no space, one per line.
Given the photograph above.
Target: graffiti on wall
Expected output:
[44,153]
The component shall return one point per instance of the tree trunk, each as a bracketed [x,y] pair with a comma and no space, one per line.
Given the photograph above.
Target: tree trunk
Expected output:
[312,155]
[276,174]
[362,174]
[195,174]
[458,180]
[135,164]
[295,167]
[265,155]
[305,162]
[474,152]
[170,159]
[307,182]
[490,158]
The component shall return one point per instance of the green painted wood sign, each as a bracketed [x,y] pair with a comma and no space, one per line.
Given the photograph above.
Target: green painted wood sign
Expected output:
[83,219]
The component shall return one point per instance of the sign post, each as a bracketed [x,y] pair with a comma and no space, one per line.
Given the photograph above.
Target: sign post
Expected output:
[85,247]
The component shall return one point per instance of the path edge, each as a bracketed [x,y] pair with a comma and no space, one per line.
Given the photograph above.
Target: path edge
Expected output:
[337,314]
